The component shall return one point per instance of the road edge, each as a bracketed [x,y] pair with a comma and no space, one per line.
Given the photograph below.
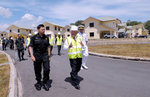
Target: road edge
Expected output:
[119,57]
[15,89]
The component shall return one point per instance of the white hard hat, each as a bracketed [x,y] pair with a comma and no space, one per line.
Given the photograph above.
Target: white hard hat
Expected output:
[35,32]
[59,33]
[80,27]
[74,28]
[29,35]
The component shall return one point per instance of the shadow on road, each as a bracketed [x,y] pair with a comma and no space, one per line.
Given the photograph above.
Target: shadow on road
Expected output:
[69,80]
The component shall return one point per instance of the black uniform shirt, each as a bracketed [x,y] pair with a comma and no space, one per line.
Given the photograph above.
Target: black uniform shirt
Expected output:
[40,47]
[19,43]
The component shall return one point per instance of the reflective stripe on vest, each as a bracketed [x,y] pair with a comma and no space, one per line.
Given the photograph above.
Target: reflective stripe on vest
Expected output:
[51,41]
[76,50]
[59,40]
[28,41]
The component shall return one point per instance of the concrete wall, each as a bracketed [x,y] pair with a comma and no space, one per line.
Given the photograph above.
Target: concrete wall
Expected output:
[52,29]
[22,30]
[3,34]
[94,29]
[99,28]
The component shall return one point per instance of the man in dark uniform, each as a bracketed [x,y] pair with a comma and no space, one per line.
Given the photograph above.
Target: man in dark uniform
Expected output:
[11,41]
[19,46]
[6,43]
[40,54]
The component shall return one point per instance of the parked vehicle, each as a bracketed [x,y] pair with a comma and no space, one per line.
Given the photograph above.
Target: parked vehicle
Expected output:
[121,35]
[109,36]
[141,36]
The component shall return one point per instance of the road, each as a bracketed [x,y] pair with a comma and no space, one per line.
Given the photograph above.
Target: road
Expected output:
[105,77]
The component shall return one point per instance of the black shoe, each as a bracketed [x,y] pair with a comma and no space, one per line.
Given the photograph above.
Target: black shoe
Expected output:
[38,86]
[45,87]
[23,59]
[77,87]
[19,59]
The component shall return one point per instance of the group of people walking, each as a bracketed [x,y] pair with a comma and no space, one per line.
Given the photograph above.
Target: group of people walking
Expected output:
[5,42]
[40,48]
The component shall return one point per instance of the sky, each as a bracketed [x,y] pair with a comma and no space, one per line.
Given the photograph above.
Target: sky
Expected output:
[30,13]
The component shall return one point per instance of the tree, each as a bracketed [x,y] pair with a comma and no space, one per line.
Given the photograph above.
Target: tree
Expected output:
[147,25]
[132,23]
[72,24]
[77,23]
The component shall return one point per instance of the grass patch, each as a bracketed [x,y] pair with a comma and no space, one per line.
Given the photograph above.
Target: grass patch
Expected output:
[4,80]
[133,50]
[3,58]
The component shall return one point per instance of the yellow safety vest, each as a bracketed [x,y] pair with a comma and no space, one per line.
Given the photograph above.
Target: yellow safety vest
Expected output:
[51,41]
[76,50]
[59,40]
[28,41]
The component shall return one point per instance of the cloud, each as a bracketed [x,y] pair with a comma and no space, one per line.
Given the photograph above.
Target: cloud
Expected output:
[68,11]
[5,12]
[29,21]
[3,27]
[28,17]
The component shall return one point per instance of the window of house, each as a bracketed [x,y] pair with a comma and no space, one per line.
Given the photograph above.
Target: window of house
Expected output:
[91,24]
[47,28]
[91,34]
[30,31]
[1,34]
[58,29]
[18,30]
[55,28]
[9,30]
[68,30]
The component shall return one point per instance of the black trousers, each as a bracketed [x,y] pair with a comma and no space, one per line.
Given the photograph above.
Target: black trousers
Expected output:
[3,46]
[38,69]
[11,46]
[28,51]
[6,45]
[51,48]
[21,54]
[59,49]
[75,66]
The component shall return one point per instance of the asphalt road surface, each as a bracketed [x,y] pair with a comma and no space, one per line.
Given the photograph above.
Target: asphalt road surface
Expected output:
[105,77]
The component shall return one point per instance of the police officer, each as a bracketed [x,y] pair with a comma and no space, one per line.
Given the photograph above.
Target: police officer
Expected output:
[11,41]
[19,46]
[40,54]
[74,45]
[85,47]
[58,42]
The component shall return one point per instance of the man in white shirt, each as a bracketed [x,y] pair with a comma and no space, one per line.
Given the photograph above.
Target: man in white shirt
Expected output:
[85,47]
